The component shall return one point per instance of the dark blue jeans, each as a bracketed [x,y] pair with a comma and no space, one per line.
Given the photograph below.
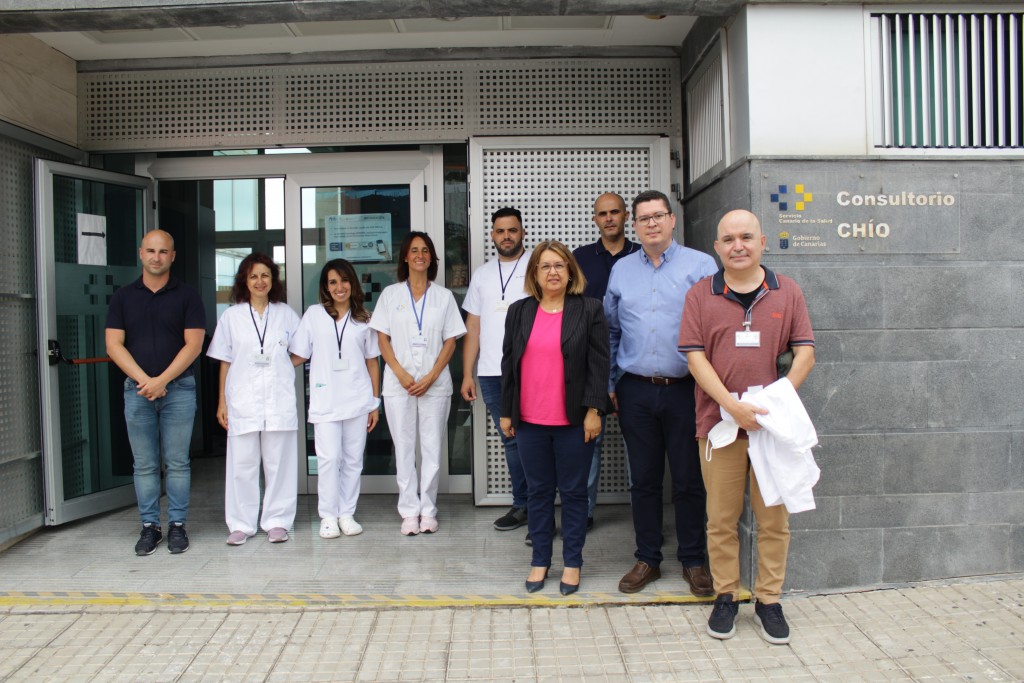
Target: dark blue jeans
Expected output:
[659,423]
[490,391]
[556,459]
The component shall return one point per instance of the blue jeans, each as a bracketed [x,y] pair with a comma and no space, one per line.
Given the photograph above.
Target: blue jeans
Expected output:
[556,458]
[161,427]
[490,390]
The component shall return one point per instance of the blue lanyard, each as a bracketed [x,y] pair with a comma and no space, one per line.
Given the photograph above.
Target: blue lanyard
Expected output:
[501,278]
[423,306]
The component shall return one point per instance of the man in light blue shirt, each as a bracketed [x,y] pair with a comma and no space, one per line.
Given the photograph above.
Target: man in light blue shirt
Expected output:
[654,392]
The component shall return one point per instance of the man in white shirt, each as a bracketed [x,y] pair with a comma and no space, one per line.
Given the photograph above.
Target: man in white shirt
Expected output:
[492,289]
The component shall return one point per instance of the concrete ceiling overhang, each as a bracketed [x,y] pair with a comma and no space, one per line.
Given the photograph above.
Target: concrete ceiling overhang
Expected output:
[28,16]
[147,34]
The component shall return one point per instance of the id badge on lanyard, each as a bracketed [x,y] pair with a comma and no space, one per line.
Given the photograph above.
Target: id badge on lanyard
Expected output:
[418,343]
[748,338]
[260,358]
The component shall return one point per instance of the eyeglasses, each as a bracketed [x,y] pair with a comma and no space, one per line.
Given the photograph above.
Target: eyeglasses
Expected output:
[653,218]
[548,267]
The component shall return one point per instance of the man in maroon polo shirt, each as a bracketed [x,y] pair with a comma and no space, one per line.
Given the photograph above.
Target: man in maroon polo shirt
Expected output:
[735,325]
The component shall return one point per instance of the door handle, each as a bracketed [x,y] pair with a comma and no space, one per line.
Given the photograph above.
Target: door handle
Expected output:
[54,356]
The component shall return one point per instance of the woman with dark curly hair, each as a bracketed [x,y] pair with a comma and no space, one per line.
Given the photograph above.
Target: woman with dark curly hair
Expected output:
[344,392]
[257,402]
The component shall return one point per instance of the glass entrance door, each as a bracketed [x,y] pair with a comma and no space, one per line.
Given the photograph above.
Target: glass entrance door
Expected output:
[363,218]
[88,227]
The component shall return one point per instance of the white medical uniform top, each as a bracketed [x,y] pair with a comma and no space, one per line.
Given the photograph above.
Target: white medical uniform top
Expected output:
[336,391]
[394,316]
[259,397]
[484,299]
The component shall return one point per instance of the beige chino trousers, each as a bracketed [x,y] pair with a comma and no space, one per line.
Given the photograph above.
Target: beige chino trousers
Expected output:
[725,480]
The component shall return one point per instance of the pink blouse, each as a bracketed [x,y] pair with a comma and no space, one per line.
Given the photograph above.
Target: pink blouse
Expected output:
[542,394]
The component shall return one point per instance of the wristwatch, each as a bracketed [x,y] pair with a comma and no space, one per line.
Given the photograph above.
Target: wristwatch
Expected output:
[600,413]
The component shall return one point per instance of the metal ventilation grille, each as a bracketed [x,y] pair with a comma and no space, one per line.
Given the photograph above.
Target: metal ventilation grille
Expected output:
[228,107]
[578,97]
[352,103]
[554,186]
[21,485]
[705,118]
[374,101]
[948,80]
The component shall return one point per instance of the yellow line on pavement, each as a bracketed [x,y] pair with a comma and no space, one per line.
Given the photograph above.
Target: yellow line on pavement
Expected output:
[80,599]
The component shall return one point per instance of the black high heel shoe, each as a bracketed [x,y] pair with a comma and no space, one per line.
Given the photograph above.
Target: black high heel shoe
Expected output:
[568,588]
[534,586]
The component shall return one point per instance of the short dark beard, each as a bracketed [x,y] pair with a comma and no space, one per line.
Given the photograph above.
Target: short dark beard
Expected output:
[516,250]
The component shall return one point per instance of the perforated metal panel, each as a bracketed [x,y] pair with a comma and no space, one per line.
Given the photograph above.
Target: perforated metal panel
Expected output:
[234,106]
[373,100]
[350,103]
[21,497]
[21,488]
[578,97]
[554,183]
[19,384]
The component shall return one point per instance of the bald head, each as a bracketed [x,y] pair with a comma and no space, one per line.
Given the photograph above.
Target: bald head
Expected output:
[740,242]
[610,216]
[739,218]
[157,254]
[158,235]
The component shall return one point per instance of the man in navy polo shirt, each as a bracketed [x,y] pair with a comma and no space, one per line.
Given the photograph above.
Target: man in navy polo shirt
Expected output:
[155,329]
[596,261]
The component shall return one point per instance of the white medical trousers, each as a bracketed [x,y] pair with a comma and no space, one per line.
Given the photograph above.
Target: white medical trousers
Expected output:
[339,465]
[426,416]
[278,453]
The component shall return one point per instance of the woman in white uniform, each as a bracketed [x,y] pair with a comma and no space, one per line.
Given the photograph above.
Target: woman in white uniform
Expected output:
[344,392]
[257,402]
[418,323]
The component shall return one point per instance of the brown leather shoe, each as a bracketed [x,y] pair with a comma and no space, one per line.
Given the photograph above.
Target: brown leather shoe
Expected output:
[699,580]
[639,576]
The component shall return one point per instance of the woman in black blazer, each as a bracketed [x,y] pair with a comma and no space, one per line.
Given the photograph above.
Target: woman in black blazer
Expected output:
[554,390]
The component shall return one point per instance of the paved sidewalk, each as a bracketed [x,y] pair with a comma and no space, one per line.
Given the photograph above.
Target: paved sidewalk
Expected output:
[76,604]
[965,631]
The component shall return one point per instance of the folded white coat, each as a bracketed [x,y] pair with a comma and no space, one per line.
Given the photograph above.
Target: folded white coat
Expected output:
[780,453]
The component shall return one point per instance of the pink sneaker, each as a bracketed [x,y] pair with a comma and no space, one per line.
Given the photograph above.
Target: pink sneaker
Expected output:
[237,538]
[277,535]
[428,525]
[410,526]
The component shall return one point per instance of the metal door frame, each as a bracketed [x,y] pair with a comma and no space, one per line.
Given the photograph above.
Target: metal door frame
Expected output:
[57,510]
[380,167]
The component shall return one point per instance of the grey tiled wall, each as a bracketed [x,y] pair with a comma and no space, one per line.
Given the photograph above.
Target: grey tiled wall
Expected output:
[918,394]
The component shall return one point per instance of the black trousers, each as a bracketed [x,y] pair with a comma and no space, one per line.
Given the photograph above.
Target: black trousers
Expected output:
[659,423]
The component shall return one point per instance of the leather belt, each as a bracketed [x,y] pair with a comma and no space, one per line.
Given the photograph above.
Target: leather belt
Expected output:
[660,381]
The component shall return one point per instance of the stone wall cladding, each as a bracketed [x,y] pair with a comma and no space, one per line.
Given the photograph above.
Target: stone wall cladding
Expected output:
[917,391]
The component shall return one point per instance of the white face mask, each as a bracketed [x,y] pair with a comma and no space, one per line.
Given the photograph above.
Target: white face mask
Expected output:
[723,434]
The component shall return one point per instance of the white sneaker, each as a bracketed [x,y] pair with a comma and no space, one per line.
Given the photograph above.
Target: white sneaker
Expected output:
[349,525]
[329,528]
